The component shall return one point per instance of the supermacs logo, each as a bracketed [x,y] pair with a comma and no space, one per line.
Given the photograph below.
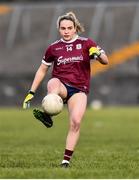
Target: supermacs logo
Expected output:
[62,60]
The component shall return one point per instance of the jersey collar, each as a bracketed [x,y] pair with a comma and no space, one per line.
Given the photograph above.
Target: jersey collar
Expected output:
[74,39]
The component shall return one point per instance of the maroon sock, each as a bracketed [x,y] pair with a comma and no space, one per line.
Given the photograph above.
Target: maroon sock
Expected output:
[68,154]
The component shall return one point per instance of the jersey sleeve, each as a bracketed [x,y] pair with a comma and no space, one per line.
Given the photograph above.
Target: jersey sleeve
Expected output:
[48,57]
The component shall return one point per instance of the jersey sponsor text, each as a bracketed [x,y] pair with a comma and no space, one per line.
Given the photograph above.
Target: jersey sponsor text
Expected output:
[62,60]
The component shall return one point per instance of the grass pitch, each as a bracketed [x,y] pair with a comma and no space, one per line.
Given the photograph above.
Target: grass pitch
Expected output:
[108,145]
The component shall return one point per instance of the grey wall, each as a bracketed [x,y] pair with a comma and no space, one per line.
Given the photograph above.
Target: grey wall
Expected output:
[27,30]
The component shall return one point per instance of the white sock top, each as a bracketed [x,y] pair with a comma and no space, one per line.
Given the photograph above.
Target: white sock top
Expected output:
[65,161]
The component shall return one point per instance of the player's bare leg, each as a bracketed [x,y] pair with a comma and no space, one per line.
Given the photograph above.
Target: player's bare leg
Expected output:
[76,106]
[54,85]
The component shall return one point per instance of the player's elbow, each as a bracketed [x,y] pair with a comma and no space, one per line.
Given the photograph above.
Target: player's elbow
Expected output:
[105,62]
[104,59]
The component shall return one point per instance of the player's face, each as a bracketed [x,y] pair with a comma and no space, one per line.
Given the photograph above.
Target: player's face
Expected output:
[67,30]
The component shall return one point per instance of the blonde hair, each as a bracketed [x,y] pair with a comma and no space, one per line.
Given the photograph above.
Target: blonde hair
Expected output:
[71,16]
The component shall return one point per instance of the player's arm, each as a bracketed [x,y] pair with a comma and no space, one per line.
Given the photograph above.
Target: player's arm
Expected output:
[103,59]
[39,76]
[98,54]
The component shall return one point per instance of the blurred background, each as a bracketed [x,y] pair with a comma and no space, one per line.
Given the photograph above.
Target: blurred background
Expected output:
[28,27]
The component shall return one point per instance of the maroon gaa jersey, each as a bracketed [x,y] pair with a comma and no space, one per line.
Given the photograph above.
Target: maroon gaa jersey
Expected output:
[71,61]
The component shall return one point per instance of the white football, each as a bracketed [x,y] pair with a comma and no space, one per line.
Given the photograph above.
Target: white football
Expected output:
[52,104]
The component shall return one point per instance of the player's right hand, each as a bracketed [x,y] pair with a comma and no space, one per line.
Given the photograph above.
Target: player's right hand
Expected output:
[28,98]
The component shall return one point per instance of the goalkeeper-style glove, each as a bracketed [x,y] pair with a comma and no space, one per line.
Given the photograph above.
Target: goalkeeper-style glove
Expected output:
[94,52]
[28,98]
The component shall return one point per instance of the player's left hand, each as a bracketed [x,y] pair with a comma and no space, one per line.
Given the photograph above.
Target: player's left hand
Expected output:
[28,98]
[94,52]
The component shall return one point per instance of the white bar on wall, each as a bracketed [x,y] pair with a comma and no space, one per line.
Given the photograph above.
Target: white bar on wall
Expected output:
[13,26]
[97,19]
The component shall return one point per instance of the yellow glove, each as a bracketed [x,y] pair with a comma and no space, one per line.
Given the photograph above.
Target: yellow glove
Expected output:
[28,98]
[94,52]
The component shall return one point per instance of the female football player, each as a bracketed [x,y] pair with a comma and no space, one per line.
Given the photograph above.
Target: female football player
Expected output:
[71,57]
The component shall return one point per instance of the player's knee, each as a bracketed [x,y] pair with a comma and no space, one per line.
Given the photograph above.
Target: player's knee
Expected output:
[53,85]
[75,124]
